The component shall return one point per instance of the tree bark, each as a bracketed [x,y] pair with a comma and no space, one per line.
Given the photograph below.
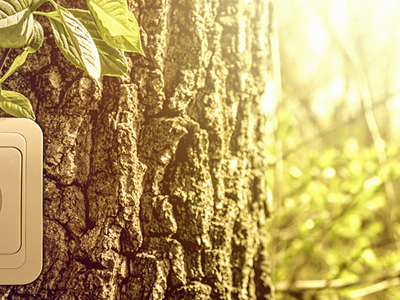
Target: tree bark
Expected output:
[154,184]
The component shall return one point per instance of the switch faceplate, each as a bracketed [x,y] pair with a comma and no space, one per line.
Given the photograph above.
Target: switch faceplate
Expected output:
[21,201]
[10,209]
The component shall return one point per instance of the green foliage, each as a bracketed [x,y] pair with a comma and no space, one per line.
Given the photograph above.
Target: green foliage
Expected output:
[116,25]
[333,220]
[93,40]
[16,104]
[19,61]
[75,42]
[112,60]
[36,39]
[16,24]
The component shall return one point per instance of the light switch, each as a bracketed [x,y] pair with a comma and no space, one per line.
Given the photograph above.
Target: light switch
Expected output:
[10,209]
[21,201]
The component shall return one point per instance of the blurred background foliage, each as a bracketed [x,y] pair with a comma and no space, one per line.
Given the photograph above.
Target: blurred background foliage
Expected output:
[334,151]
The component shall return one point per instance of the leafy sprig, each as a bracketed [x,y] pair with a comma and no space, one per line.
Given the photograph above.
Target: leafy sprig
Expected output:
[93,40]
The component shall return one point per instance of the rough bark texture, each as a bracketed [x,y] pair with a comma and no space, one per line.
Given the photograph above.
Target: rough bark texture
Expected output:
[154,183]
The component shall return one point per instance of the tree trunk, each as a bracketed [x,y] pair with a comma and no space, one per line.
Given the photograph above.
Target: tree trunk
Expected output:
[154,184]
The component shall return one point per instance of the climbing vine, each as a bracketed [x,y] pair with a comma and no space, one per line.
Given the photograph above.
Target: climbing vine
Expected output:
[94,40]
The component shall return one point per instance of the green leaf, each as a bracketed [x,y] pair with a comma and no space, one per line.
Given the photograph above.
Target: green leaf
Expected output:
[11,7]
[15,29]
[16,104]
[36,39]
[116,26]
[113,61]
[62,39]
[75,42]
[83,42]
[18,61]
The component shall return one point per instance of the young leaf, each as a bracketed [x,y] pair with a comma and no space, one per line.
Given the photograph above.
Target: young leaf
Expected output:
[75,42]
[16,104]
[15,29]
[114,24]
[36,39]
[113,61]
[18,61]
[63,42]
[84,43]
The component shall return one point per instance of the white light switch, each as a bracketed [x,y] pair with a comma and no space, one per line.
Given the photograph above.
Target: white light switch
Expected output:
[10,209]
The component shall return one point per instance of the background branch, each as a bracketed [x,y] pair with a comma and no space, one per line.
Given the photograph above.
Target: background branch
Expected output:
[286,286]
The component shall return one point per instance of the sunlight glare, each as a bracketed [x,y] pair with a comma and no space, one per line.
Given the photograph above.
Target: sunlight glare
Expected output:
[339,15]
[317,35]
[268,99]
[374,181]
[329,173]
[310,224]
[396,103]
[336,88]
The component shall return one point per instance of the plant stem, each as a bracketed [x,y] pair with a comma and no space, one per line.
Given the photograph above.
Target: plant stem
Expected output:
[39,13]
[4,60]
